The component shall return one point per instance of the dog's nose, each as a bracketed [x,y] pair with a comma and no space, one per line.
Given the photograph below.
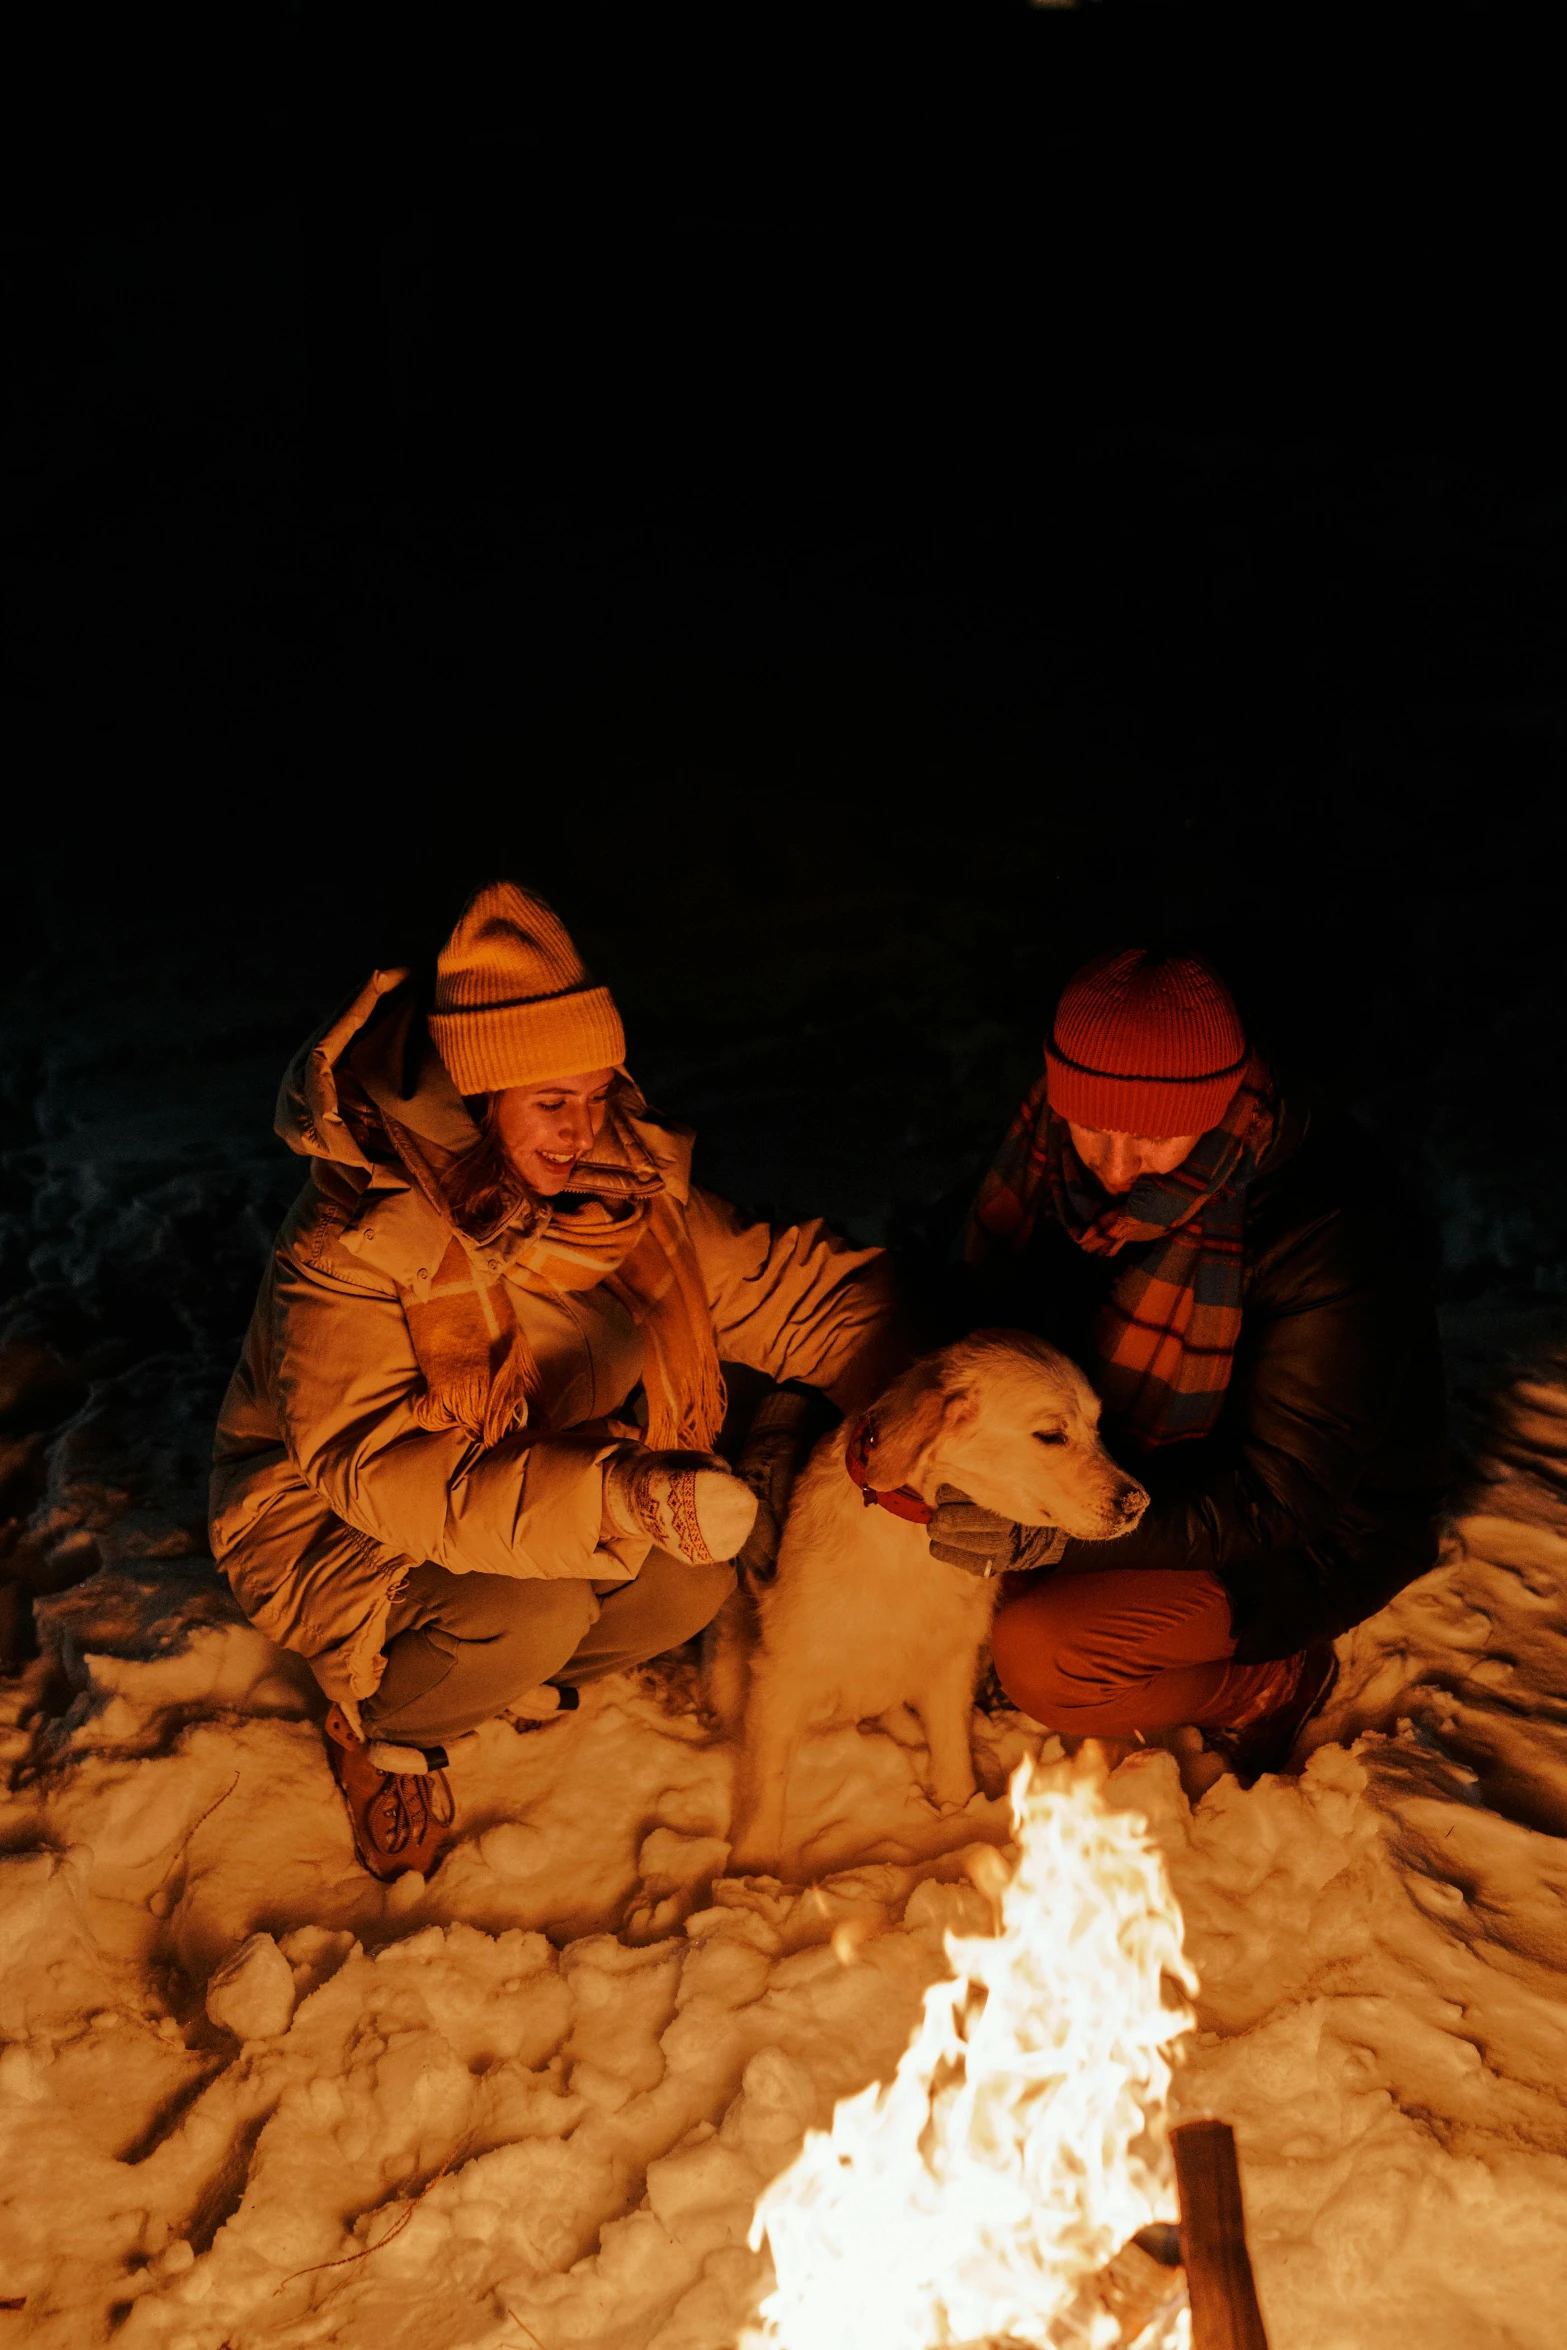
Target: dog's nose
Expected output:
[1133,1503]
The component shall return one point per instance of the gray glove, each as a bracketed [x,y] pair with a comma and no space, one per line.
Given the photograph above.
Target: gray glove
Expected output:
[786,1425]
[961,1534]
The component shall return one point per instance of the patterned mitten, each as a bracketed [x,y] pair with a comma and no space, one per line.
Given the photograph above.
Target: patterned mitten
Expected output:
[691,1503]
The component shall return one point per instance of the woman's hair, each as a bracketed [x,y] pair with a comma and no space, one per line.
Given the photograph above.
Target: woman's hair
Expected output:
[483,1188]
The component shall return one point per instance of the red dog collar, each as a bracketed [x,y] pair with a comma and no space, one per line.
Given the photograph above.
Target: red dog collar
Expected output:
[902,1502]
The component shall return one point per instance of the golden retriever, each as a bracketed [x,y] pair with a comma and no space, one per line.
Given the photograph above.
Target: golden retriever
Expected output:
[861,1622]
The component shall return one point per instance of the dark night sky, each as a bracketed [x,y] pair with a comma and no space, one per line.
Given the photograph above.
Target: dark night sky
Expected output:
[863,509]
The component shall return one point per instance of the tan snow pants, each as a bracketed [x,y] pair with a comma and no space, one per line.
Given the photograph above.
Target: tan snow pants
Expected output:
[459,1648]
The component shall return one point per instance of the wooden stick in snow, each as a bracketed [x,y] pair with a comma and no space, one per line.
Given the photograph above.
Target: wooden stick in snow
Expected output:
[1225,2315]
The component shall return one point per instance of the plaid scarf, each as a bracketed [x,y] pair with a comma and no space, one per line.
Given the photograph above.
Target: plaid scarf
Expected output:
[1165,1338]
[626,1230]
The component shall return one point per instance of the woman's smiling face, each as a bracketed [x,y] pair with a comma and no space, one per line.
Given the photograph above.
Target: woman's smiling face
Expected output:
[546,1128]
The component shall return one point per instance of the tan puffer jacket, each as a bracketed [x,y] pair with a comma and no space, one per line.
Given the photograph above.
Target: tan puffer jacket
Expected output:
[327,1491]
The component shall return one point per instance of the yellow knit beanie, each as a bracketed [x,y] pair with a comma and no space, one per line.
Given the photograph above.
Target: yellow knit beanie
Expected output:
[513,1004]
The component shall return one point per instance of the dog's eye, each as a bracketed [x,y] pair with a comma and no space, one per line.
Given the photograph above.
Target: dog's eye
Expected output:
[1049,1436]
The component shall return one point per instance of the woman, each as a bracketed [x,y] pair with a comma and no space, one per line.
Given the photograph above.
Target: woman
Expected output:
[465,1462]
[1239,1280]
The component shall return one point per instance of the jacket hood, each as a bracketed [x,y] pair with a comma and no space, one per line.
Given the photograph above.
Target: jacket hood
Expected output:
[309,1115]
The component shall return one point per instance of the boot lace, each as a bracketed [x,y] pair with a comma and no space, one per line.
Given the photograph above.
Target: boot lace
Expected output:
[410,1806]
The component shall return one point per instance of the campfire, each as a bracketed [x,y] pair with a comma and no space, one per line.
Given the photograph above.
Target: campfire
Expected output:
[990,2191]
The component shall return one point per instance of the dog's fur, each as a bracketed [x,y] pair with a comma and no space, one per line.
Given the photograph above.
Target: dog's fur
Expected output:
[861,1622]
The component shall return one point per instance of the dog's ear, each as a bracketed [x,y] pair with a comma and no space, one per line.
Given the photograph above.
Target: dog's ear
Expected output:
[910,1423]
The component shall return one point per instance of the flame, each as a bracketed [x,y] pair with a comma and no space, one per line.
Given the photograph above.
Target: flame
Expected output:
[978,2194]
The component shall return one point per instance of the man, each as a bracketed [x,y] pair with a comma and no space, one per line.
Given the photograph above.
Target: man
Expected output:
[1238,1277]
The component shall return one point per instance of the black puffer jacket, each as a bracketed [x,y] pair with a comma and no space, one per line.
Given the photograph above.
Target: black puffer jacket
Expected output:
[1316,1496]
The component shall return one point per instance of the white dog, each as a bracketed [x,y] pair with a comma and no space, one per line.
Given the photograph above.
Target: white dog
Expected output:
[861,1621]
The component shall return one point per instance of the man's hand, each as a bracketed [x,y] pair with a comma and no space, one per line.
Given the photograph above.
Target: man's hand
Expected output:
[981,1542]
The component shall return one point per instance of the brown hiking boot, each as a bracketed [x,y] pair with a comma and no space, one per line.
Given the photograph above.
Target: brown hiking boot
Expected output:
[1267,1743]
[399,1818]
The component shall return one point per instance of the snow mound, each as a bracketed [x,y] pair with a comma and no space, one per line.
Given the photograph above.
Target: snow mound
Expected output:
[252,1993]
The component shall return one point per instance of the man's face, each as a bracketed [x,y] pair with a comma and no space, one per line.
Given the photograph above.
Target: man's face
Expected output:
[1117,1160]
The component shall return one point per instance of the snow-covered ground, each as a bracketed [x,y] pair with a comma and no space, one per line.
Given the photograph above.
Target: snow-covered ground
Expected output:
[248,2097]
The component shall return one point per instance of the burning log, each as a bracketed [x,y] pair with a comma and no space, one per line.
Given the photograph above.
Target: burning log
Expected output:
[1219,2282]
[1143,2282]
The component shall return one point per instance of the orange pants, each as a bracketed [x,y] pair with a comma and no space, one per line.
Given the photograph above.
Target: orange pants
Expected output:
[1109,1651]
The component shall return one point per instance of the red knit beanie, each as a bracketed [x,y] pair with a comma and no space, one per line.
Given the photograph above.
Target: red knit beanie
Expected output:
[1145,1044]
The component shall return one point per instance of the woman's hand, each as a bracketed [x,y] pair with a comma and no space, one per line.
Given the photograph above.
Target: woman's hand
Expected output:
[689,1503]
